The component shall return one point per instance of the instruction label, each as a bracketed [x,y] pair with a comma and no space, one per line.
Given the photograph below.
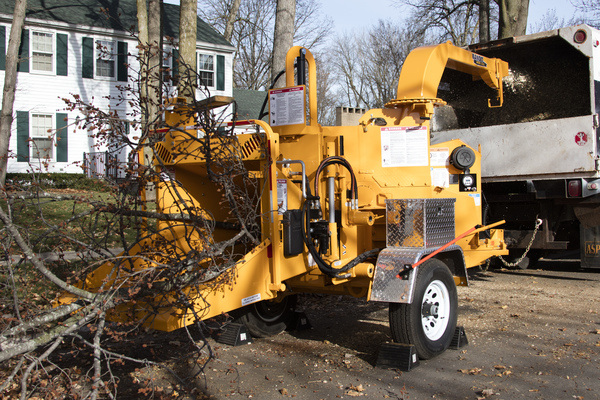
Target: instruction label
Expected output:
[282,196]
[404,146]
[440,177]
[287,106]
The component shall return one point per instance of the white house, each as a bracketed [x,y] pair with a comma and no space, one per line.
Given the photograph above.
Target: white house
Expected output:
[60,56]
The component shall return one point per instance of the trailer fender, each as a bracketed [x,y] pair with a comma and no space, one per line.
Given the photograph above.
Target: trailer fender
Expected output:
[389,287]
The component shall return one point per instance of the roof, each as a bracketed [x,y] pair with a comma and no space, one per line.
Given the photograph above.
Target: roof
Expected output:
[120,15]
[249,102]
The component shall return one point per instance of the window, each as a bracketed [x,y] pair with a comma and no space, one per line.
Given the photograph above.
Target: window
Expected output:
[206,70]
[41,139]
[105,58]
[42,52]
[168,61]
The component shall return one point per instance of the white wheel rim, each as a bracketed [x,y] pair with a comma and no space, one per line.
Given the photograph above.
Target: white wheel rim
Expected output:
[435,324]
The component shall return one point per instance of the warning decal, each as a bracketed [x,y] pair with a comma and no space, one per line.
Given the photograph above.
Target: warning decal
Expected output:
[286,106]
[404,146]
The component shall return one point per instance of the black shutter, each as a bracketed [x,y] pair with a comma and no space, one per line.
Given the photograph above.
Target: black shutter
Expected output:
[62,54]
[122,61]
[175,70]
[87,58]
[220,72]
[23,65]
[22,136]
[2,47]
[62,137]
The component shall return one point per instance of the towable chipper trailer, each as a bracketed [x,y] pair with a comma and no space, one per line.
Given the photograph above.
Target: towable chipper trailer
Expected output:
[541,153]
[369,211]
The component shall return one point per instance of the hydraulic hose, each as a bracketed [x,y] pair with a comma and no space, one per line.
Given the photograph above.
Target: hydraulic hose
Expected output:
[305,226]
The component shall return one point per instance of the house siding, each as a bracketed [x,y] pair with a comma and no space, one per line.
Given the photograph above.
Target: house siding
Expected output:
[43,92]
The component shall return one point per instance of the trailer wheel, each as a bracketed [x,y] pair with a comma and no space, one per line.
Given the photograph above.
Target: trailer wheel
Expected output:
[430,320]
[268,317]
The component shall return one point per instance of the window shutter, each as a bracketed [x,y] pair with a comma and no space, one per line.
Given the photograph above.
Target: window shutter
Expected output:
[220,72]
[62,55]
[23,65]
[22,136]
[62,137]
[2,47]
[87,58]
[122,61]
[175,72]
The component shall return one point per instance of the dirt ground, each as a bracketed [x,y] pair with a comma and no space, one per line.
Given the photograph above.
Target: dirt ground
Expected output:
[533,334]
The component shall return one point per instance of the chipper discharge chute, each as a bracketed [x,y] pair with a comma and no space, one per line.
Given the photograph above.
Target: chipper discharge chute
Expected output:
[372,210]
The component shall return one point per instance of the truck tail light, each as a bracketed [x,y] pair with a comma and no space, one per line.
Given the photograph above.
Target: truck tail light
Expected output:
[574,188]
[580,36]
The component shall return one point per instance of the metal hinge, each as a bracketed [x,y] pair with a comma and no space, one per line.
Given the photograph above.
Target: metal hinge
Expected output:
[596,121]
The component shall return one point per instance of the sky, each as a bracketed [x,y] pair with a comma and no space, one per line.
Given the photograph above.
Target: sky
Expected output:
[351,15]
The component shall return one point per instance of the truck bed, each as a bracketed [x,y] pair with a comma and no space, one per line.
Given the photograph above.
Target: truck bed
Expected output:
[547,126]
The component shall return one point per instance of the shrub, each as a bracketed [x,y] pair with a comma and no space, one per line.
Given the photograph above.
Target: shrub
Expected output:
[58,181]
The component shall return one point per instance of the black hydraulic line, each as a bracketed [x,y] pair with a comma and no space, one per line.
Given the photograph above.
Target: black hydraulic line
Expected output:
[301,68]
[340,161]
[322,264]
[262,109]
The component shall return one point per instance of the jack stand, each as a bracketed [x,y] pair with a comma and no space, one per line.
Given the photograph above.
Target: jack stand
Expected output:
[299,322]
[459,339]
[397,356]
[234,335]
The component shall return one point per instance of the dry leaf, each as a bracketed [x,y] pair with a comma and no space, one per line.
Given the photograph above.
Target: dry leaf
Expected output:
[499,366]
[472,371]
[283,391]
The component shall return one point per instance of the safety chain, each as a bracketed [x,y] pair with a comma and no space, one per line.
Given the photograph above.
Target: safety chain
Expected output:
[538,223]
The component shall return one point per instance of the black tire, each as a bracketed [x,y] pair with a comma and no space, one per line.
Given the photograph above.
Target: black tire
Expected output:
[268,317]
[429,321]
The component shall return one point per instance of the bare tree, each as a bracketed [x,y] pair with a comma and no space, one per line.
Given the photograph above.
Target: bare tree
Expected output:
[231,18]
[591,10]
[441,20]
[187,48]
[513,18]
[253,30]
[283,38]
[10,84]
[371,79]
[551,21]
[484,21]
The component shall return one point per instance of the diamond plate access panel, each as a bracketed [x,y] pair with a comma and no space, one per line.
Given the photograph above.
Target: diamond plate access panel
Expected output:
[422,223]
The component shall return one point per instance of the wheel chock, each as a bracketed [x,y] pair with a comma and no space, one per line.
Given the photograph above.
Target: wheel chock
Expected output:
[459,339]
[234,335]
[299,322]
[397,356]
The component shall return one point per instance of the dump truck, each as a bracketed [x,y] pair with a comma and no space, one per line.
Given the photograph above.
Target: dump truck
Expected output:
[372,211]
[541,151]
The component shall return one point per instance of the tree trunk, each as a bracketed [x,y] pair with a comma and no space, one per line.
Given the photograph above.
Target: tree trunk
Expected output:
[10,84]
[484,21]
[154,62]
[187,49]
[284,35]
[142,17]
[233,11]
[513,18]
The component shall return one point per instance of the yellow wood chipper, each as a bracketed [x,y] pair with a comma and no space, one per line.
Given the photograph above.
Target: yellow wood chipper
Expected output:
[372,210]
